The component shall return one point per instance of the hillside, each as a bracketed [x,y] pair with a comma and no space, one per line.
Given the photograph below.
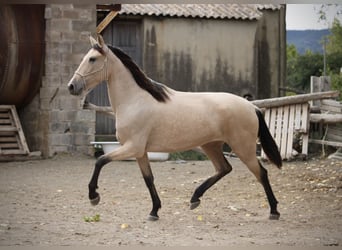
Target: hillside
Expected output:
[306,39]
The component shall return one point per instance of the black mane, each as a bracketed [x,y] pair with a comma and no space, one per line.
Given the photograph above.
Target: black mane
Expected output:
[158,91]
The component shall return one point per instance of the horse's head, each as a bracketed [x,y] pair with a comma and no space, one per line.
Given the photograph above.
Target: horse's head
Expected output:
[92,70]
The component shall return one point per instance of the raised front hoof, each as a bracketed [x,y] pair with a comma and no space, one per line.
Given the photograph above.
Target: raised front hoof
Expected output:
[152,217]
[274,216]
[95,201]
[194,204]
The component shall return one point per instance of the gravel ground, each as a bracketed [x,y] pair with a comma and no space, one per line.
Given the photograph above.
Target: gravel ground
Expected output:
[44,202]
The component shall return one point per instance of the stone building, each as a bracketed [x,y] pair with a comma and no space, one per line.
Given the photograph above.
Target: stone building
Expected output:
[234,48]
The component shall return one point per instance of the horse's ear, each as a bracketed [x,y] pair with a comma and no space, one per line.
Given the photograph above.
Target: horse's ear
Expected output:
[100,40]
[93,42]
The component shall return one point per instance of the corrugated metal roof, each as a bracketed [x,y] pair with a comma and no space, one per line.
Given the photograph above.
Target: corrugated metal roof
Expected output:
[268,6]
[216,11]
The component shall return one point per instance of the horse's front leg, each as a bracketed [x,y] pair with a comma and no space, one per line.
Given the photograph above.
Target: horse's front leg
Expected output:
[121,153]
[146,171]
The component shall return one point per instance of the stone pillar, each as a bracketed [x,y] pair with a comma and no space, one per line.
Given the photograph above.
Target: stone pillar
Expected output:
[62,124]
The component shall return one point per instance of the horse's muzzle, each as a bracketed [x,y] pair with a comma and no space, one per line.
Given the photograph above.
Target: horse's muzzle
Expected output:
[75,87]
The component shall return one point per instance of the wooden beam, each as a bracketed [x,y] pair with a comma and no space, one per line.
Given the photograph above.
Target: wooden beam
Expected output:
[330,143]
[101,109]
[106,21]
[326,118]
[116,7]
[287,100]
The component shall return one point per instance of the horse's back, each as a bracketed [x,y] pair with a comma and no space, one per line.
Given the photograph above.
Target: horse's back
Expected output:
[192,119]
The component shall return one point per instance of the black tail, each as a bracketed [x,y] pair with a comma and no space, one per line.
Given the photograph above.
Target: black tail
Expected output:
[267,142]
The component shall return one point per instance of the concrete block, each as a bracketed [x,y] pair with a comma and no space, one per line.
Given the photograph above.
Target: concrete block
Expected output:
[85,115]
[81,25]
[56,12]
[45,104]
[61,24]
[69,103]
[64,47]
[81,47]
[49,92]
[71,14]
[70,35]
[59,127]
[52,68]
[61,139]
[82,140]
[52,57]
[48,12]
[51,80]
[82,127]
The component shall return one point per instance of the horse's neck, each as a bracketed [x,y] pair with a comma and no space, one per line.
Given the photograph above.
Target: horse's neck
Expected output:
[122,88]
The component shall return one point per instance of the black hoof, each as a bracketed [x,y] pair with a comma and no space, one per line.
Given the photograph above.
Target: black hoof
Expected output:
[152,218]
[194,204]
[95,201]
[274,216]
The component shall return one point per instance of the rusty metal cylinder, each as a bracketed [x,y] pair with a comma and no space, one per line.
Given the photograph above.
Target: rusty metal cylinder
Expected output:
[22,47]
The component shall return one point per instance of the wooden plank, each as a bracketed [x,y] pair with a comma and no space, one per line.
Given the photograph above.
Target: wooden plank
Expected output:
[272,124]
[326,118]
[4,120]
[267,118]
[297,117]
[112,14]
[284,132]
[332,103]
[331,109]
[290,132]
[331,143]
[305,128]
[305,118]
[334,137]
[8,129]
[305,144]
[5,107]
[9,145]
[7,139]
[7,133]
[23,143]
[289,100]
[278,126]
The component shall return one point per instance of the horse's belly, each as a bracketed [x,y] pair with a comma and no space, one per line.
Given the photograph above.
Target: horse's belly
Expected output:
[183,133]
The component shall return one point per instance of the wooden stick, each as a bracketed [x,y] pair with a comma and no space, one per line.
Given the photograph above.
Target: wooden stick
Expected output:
[102,109]
[106,21]
[326,118]
[287,100]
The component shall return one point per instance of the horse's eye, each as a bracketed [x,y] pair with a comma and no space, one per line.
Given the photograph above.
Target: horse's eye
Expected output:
[92,59]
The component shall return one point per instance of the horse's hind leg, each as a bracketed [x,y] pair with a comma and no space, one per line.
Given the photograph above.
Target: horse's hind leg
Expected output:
[214,151]
[247,156]
[146,171]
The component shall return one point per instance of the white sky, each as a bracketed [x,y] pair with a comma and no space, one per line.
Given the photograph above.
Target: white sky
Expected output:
[305,16]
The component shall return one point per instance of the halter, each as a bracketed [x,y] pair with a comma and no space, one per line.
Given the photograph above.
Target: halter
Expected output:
[104,68]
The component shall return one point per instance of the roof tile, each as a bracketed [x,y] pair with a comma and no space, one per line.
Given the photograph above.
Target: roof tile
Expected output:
[216,11]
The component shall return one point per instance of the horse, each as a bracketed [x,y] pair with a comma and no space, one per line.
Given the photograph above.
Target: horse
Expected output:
[151,117]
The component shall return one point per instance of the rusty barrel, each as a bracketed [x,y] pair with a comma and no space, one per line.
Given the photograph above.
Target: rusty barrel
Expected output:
[22,34]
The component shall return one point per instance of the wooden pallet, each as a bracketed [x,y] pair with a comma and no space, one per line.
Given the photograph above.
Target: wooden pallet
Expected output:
[12,139]
[285,124]
[332,126]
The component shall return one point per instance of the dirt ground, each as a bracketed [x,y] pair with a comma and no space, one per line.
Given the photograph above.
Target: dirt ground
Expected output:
[44,202]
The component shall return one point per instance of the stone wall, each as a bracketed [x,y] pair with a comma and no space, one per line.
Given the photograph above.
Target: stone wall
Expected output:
[55,121]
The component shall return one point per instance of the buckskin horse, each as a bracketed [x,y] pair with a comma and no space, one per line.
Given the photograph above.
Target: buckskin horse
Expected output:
[151,117]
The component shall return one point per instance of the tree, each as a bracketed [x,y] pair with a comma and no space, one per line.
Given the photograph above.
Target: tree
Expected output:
[334,55]
[324,8]
[335,38]
[301,67]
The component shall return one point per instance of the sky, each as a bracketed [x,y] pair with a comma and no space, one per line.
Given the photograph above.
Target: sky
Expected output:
[305,16]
